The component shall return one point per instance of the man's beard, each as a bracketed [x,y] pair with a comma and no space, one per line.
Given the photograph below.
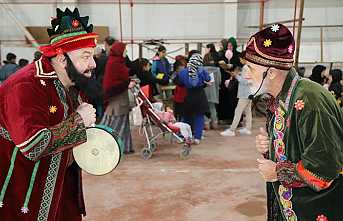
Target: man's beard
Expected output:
[89,86]
[258,90]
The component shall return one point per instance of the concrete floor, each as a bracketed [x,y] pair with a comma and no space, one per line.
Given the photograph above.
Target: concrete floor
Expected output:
[218,183]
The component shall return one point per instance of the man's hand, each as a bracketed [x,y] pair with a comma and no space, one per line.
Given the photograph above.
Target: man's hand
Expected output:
[262,142]
[226,83]
[267,169]
[208,83]
[87,113]
[132,84]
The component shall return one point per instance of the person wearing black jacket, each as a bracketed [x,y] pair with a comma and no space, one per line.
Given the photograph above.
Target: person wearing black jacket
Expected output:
[141,68]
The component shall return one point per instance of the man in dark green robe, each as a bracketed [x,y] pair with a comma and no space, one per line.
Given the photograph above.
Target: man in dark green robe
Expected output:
[303,149]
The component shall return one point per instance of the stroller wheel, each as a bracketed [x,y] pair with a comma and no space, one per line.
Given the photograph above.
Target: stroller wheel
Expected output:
[185,152]
[153,147]
[146,153]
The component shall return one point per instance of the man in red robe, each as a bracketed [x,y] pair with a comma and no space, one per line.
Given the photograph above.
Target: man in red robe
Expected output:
[41,120]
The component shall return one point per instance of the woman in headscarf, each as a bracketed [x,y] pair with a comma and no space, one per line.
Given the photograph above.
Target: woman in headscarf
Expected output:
[194,78]
[318,74]
[222,49]
[228,88]
[232,46]
[116,84]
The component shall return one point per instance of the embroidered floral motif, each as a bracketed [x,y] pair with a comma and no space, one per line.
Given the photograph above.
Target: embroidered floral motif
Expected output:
[52,109]
[24,210]
[1,204]
[290,49]
[285,193]
[287,175]
[267,43]
[75,23]
[279,149]
[42,82]
[280,123]
[322,218]
[299,105]
[275,27]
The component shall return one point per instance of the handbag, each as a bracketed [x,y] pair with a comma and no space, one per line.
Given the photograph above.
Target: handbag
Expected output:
[137,116]
[132,100]
[162,78]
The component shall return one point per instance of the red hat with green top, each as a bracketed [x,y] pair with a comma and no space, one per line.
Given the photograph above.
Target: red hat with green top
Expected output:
[69,32]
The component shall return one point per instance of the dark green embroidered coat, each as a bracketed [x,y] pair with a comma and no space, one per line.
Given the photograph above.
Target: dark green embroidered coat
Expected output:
[310,186]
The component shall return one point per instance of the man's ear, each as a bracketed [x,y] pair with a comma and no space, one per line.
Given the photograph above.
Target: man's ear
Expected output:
[272,73]
[61,59]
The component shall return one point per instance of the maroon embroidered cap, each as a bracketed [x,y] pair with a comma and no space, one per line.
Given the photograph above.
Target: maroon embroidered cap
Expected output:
[272,47]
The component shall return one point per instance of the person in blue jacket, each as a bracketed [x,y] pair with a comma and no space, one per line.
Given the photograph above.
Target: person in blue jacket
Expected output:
[195,79]
[160,63]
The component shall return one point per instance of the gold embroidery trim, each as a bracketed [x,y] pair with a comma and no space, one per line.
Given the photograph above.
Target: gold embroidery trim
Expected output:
[260,60]
[79,39]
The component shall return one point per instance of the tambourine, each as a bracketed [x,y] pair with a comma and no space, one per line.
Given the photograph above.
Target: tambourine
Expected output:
[101,153]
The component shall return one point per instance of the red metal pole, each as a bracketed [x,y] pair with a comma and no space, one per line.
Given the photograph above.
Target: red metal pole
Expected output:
[120,22]
[131,12]
[295,15]
[261,14]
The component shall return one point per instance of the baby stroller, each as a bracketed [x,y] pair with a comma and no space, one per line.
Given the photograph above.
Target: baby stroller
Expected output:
[151,118]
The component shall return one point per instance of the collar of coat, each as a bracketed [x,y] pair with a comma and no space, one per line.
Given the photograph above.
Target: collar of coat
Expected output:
[44,69]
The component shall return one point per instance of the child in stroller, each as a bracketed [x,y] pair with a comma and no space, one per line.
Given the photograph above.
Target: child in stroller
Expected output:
[167,116]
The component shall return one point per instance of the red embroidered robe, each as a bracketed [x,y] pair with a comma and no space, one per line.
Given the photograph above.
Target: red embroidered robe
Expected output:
[38,128]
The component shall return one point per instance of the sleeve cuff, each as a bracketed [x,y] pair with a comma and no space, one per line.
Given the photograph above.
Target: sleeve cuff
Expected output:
[67,134]
[314,181]
[287,175]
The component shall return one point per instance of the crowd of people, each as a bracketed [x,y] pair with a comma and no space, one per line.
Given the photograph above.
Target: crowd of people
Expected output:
[210,90]
[46,107]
